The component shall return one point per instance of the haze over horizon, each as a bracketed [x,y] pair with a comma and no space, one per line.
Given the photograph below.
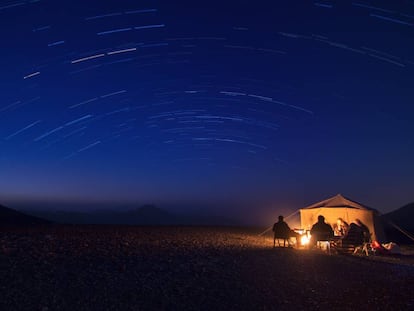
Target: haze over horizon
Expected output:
[206,107]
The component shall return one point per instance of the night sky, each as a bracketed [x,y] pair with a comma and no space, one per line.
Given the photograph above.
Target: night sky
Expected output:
[223,106]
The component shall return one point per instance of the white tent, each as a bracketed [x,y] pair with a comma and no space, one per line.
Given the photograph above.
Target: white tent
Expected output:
[341,207]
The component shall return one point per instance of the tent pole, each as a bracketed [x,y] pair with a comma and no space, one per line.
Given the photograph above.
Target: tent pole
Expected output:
[401,230]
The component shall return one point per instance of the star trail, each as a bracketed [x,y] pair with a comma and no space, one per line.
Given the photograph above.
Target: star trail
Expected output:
[248,103]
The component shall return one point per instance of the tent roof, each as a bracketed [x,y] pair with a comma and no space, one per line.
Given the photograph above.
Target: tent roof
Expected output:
[339,201]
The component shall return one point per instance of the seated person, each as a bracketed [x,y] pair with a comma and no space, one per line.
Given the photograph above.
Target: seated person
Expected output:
[341,227]
[321,231]
[385,249]
[365,231]
[378,248]
[354,236]
[358,234]
[282,231]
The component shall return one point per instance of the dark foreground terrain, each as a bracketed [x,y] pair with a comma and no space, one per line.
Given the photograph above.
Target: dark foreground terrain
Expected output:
[185,268]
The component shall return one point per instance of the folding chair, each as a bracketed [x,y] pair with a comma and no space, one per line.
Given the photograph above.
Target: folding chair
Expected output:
[325,241]
[364,248]
[281,237]
[324,244]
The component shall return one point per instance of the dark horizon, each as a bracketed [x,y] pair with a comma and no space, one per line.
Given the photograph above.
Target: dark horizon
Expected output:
[186,213]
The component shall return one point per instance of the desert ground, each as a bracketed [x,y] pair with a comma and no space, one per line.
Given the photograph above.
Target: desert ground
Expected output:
[189,268]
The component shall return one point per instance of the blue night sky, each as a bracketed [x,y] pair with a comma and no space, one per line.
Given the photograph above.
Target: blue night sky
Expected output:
[208,106]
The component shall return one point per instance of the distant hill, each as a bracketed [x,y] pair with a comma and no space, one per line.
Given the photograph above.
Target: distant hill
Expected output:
[144,215]
[402,217]
[12,217]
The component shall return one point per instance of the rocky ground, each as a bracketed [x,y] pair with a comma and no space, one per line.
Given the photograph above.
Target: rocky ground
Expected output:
[189,268]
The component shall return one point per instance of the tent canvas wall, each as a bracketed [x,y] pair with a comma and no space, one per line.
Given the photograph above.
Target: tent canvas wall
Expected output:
[341,207]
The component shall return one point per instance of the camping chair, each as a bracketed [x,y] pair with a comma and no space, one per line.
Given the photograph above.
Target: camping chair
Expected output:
[279,237]
[366,246]
[325,241]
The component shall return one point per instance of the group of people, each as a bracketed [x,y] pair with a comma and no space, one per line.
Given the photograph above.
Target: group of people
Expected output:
[355,233]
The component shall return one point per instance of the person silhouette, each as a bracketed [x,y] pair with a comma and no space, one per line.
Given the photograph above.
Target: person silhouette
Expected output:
[366,235]
[282,230]
[320,231]
[340,227]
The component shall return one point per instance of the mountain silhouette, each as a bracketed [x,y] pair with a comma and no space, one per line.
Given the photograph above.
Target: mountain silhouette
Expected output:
[12,217]
[404,216]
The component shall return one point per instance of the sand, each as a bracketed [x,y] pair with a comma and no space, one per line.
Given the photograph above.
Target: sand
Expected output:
[189,268]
